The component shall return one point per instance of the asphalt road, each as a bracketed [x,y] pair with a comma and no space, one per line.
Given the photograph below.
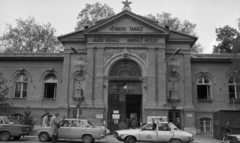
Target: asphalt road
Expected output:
[110,139]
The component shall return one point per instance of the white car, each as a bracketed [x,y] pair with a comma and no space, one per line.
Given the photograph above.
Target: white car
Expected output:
[160,132]
[234,138]
[74,129]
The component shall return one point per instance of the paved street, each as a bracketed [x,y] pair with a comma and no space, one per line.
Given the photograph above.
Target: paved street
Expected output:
[111,139]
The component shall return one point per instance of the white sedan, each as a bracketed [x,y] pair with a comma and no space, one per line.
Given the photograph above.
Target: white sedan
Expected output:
[74,129]
[160,132]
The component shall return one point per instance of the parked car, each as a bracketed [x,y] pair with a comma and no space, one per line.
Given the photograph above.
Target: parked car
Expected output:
[9,130]
[234,138]
[74,129]
[159,132]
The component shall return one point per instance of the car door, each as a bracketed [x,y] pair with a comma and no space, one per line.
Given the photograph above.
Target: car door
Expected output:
[64,130]
[77,130]
[165,132]
[148,133]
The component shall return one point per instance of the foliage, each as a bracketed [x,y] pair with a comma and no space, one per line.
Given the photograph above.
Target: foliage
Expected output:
[92,13]
[27,118]
[176,24]
[226,36]
[30,37]
[197,48]
[4,106]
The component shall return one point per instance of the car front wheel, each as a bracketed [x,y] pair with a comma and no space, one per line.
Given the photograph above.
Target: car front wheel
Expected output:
[87,139]
[175,141]
[5,136]
[43,137]
[130,140]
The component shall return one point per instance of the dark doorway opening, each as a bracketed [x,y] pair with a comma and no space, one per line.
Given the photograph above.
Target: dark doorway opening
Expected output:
[173,114]
[134,106]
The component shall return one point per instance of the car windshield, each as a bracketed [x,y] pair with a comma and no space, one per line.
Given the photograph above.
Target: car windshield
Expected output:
[89,123]
[6,120]
[142,125]
[173,126]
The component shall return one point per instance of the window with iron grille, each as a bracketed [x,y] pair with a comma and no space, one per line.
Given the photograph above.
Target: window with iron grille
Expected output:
[206,125]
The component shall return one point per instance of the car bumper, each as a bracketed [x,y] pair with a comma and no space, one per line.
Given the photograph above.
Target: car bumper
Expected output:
[24,133]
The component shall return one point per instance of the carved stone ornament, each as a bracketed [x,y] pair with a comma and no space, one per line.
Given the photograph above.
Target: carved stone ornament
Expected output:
[143,56]
[174,99]
[78,100]
[125,53]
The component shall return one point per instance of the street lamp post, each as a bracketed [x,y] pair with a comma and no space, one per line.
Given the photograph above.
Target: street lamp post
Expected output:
[174,53]
[173,98]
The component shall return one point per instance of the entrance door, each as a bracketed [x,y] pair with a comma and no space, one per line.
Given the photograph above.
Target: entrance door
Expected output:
[124,92]
[173,115]
[134,106]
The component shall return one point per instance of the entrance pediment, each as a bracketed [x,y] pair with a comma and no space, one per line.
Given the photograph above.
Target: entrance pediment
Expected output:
[129,23]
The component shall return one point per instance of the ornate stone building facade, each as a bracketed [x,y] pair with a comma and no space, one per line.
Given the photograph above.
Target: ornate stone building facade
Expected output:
[121,66]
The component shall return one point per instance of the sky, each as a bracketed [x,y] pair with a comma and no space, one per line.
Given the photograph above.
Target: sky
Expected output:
[62,14]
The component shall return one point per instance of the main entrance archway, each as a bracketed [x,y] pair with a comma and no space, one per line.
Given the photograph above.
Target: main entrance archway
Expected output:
[124,92]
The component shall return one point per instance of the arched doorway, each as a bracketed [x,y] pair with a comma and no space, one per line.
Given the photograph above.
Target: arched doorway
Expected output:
[124,92]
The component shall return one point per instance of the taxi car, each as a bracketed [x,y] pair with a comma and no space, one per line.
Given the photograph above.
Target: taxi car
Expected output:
[74,129]
[9,130]
[150,132]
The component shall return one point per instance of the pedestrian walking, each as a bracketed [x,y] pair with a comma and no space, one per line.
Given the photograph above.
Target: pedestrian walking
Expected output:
[54,126]
[226,131]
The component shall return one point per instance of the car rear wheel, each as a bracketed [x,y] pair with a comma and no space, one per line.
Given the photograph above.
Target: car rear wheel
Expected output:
[130,140]
[43,137]
[175,141]
[5,136]
[17,137]
[87,139]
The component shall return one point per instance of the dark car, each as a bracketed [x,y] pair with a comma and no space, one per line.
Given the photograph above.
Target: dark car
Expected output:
[9,130]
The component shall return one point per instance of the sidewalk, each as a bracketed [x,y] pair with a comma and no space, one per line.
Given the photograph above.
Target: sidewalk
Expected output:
[197,139]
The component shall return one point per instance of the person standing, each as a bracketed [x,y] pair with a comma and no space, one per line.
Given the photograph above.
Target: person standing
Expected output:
[177,123]
[45,120]
[54,126]
[134,123]
[226,131]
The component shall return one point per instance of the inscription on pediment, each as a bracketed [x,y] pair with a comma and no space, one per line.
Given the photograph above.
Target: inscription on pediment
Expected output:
[126,25]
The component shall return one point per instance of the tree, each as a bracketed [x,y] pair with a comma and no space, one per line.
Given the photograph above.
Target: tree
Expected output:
[4,106]
[30,37]
[27,118]
[226,36]
[176,24]
[92,13]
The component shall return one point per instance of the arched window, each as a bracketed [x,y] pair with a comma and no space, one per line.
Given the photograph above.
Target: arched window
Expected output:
[203,88]
[50,86]
[206,125]
[234,88]
[21,83]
